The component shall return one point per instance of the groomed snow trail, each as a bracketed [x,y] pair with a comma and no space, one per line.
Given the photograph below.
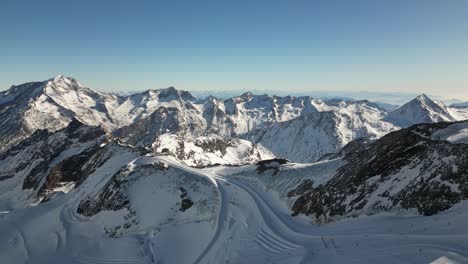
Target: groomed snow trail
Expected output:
[253,229]
[252,226]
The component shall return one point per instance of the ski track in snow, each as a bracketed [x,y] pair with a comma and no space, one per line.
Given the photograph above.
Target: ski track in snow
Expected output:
[221,218]
[252,228]
[23,241]
[282,235]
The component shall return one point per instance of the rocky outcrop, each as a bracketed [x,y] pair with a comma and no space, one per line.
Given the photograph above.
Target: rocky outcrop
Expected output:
[271,164]
[185,203]
[404,170]
[309,137]
[112,197]
[207,151]
[33,156]
[47,163]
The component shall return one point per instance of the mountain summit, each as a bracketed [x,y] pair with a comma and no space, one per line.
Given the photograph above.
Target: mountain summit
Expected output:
[140,119]
[421,109]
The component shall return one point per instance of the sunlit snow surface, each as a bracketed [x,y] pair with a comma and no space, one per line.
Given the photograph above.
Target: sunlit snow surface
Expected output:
[239,217]
[455,133]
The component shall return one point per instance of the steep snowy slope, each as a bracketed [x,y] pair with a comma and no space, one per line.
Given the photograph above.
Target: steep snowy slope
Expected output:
[421,169]
[250,111]
[419,110]
[308,137]
[138,118]
[128,211]
[138,207]
[211,116]
[206,151]
[45,162]
[77,196]
[51,105]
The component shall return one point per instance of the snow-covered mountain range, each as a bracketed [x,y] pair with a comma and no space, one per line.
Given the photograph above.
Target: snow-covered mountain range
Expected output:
[164,177]
[310,136]
[140,119]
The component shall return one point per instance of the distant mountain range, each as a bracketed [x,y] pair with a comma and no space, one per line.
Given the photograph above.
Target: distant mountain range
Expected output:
[162,176]
[298,128]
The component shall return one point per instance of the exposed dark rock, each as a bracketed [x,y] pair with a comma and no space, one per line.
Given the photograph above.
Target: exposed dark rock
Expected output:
[75,169]
[112,197]
[165,150]
[185,203]
[215,144]
[270,164]
[46,152]
[416,172]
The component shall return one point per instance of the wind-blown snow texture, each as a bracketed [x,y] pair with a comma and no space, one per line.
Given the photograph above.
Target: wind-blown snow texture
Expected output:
[163,177]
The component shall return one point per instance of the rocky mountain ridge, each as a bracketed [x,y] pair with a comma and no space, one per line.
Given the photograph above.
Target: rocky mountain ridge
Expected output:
[409,169]
[140,119]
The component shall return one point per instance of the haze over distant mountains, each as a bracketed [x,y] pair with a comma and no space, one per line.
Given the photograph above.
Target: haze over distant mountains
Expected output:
[140,118]
[163,176]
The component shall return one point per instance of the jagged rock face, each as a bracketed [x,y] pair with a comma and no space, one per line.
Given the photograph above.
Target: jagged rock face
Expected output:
[68,170]
[145,131]
[45,161]
[206,151]
[297,128]
[73,171]
[52,104]
[406,169]
[211,116]
[309,137]
[112,197]
[270,164]
[42,147]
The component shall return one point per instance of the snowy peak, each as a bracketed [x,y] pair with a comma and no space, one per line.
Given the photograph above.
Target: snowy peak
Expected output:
[63,83]
[246,96]
[170,94]
[26,91]
[312,135]
[422,109]
[423,97]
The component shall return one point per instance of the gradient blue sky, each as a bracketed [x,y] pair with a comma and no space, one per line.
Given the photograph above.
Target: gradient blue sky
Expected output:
[302,46]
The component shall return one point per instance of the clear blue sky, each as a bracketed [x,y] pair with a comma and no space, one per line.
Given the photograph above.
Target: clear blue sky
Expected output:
[400,45]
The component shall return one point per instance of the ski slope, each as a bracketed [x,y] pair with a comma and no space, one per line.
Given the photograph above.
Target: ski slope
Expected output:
[252,225]
[255,227]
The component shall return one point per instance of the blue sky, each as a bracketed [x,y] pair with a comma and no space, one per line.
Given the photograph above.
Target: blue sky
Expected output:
[300,46]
